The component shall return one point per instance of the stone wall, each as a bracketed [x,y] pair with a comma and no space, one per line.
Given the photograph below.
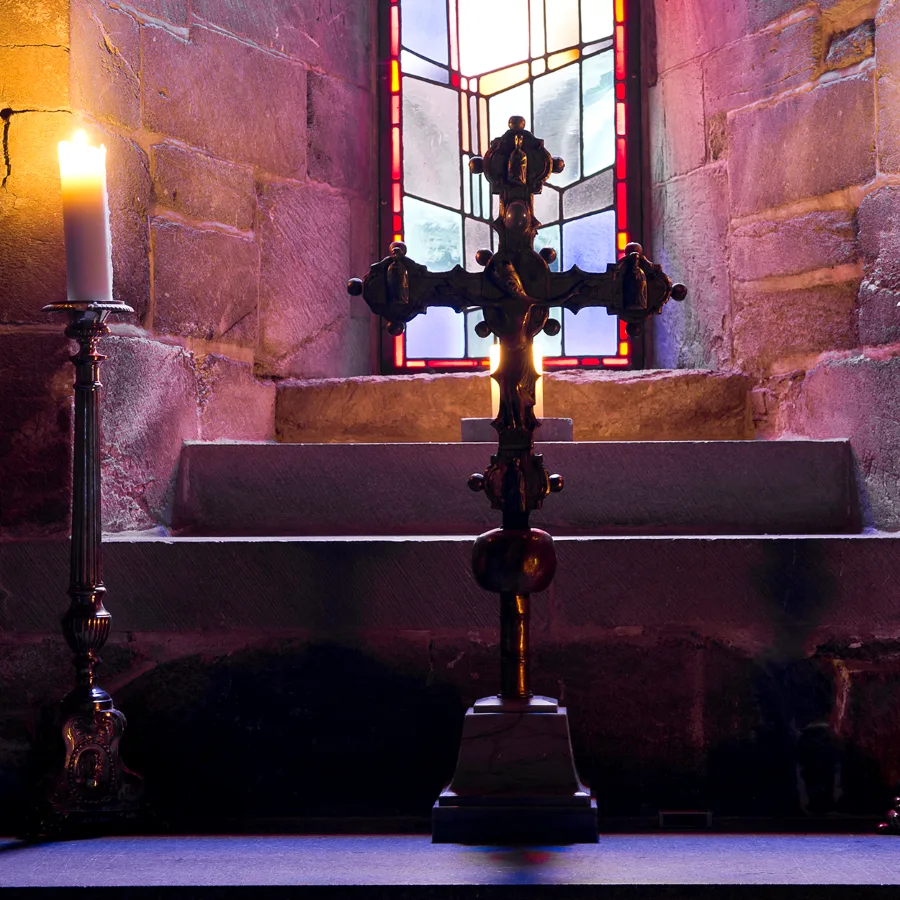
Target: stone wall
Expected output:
[775,169]
[241,170]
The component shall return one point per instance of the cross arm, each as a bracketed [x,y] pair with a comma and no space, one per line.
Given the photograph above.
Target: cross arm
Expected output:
[399,289]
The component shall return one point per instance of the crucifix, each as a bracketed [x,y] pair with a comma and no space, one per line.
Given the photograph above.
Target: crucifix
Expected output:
[522,785]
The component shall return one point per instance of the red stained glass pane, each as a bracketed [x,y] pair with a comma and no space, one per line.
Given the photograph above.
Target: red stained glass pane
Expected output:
[622,205]
[590,361]
[454,79]
[620,118]
[621,159]
[398,350]
[620,52]
[395,110]
[620,90]
[397,201]
[395,154]
[615,361]
[395,31]
[398,223]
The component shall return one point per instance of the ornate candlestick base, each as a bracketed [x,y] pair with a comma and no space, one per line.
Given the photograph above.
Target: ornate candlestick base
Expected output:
[515,779]
[482,431]
[87,786]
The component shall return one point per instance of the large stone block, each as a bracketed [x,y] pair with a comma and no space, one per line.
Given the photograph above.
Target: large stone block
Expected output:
[305,235]
[887,73]
[677,130]
[622,407]
[686,29]
[35,440]
[825,141]
[32,252]
[34,77]
[149,405]
[763,12]
[34,22]
[202,187]
[817,240]
[856,398]
[879,315]
[338,37]
[879,236]
[761,65]
[205,284]
[689,237]
[778,330]
[847,48]
[233,404]
[207,91]
[342,148]
[128,183]
[106,63]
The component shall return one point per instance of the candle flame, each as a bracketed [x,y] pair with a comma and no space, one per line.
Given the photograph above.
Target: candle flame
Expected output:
[79,161]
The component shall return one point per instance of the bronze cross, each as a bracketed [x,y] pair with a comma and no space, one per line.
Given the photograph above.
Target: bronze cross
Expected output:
[515,292]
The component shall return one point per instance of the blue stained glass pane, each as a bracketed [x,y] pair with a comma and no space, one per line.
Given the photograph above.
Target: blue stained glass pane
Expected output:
[423,28]
[433,234]
[597,93]
[590,333]
[479,348]
[411,64]
[596,19]
[590,243]
[478,237]
[549,237]
[550,346]
[557,121]
[431,142]
[438,334]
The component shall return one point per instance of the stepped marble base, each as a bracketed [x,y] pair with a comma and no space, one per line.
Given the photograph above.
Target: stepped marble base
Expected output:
[515,779]
[480,431]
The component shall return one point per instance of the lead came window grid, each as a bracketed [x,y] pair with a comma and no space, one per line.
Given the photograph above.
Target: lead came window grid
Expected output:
[451,87]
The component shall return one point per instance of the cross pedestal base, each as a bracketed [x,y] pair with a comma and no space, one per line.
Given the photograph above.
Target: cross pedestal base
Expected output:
[515,779]
[480,431]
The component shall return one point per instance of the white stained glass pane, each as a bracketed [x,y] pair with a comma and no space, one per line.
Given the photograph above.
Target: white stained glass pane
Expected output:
[590,195]
[590,333]
[478,237]
[549,237]
[431,142]
[433,235]
[514,102]
[411,64]
[546,205]
[423,28]
[562,24]
[557,120]
[492,34]
[479,348]
[546,345]
[478,184]
[487,198]
[596,19]
[438,334]
[598,96]
[590,243]
[596,48]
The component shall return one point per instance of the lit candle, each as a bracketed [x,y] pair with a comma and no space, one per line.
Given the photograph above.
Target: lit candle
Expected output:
[494,357]
[82,171]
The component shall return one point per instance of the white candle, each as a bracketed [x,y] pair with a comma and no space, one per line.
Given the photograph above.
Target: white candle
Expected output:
[494,357]
[82,171]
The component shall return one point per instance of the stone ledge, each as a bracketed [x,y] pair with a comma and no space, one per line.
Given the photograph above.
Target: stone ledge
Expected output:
[773,589]
[629,406]
[650,487]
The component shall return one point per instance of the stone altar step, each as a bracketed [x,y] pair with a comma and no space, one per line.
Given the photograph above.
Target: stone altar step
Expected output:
[832,585]
[679,405]
[635,867]
[677,487]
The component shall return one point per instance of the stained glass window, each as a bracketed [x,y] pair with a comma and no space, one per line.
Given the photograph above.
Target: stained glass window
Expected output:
[456,70]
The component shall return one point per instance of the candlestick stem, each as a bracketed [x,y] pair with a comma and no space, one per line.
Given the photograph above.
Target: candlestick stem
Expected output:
[90,786]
